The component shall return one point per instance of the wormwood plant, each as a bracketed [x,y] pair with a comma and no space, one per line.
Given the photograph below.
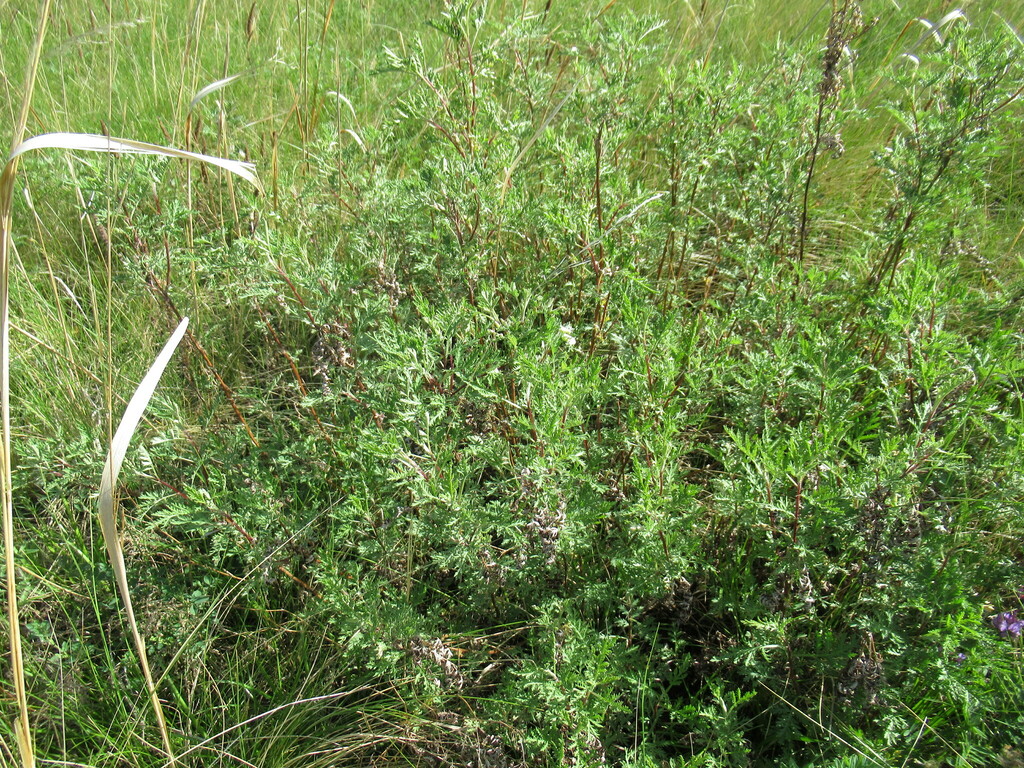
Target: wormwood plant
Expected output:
[955,93]
[509,439]
[548,497]
[845,25]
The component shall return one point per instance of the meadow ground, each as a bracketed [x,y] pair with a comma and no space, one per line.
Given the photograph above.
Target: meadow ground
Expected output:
[594,383]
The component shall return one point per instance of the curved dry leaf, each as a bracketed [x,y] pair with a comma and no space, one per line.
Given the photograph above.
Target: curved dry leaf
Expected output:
[216,85]
[91,142]
[108,509]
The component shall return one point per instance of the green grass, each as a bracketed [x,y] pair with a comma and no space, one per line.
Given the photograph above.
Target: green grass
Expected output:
[567,399]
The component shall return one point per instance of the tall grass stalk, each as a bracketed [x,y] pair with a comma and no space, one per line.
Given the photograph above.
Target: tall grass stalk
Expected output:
[23,729]
[89,143]
[92,143]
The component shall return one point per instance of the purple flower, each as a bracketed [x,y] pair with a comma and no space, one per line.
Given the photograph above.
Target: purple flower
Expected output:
[960,658]
[1008,624]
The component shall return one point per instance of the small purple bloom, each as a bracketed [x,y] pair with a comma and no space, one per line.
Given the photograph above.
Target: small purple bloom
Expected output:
[1008,624]
[960,658]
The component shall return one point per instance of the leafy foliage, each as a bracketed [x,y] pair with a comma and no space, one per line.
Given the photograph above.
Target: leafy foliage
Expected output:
[575,415]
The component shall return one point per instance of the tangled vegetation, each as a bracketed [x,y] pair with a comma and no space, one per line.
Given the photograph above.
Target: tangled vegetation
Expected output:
[592,385]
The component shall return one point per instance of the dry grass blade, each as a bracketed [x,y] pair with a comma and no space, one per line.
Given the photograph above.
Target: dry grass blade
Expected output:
[17,664]
[216,85]
[933,30]
[22,727]
[273,711]
[90,142]
[550,116]
[108,509]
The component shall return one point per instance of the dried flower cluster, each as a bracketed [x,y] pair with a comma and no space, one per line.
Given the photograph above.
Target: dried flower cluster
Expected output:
[437,652]
[463,745]
[331,350]
[677,605]
[546,527]
[846,23]
[547,520]
[590,753]
[833,142]
[479,418]
[866,673]
[965,250]
[386,281]
[887,527]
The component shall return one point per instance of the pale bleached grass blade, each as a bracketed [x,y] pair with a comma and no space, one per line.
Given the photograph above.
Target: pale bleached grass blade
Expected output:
[108,510]
[216,85]
[91,142]
[82,142]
